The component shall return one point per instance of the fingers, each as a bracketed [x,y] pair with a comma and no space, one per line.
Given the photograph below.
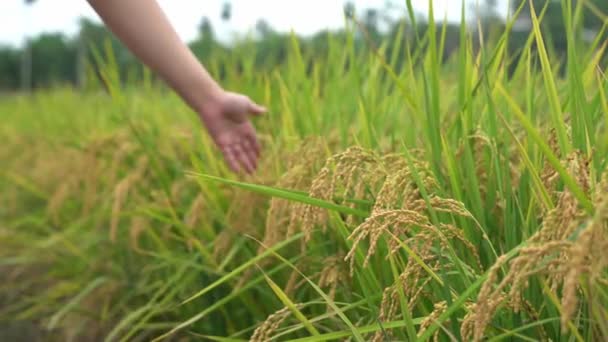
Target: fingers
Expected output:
[231,158]
[241,157]
[247,161]
[256,109]
[253,144]
[251,153]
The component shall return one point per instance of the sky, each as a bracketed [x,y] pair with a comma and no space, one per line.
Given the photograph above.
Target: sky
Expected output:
[305,17]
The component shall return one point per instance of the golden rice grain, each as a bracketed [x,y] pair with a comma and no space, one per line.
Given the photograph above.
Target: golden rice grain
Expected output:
[333,274]
[57,200]
[195,212]
[121,191]
[264,332]
[438,309]
[589,255]
[398,222]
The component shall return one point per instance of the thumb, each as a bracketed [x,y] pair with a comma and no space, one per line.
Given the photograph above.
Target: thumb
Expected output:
[256,109]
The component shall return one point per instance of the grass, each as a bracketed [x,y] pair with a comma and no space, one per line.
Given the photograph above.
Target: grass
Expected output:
[433,199]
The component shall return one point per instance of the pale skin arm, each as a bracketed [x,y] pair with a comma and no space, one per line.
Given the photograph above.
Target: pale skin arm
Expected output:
[144,28]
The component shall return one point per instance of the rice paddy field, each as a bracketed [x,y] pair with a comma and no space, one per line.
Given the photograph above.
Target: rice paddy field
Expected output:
[464,199]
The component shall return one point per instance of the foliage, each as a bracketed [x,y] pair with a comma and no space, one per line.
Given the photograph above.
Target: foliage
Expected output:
[56,58]
[400,196]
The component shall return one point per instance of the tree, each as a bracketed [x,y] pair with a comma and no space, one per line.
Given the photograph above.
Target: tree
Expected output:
[554,20]
[204,44]
[205,29]
[226,11]
[26,61]
[9,68]
[53,60]
[592,19]
[349,9]
[96,37]
[371,19]
[271,46]
[263,29]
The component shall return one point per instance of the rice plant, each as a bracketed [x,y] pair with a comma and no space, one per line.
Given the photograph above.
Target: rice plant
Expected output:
[398,199]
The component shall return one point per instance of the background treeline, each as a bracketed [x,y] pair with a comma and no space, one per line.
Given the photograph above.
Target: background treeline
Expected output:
[53,58]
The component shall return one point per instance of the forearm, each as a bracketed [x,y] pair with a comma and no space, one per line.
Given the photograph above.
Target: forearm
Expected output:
[143,27]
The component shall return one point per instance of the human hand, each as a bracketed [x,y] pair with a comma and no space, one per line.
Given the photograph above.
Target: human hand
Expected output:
[227,119]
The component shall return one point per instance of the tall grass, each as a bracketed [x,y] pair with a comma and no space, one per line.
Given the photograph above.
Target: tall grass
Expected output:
[448,200]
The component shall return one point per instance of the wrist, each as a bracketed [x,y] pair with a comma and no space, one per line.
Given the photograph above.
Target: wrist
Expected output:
[208,96]
[211,101]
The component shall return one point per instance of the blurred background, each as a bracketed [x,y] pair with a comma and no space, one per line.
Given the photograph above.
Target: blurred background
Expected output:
[45,43]
[104,230]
